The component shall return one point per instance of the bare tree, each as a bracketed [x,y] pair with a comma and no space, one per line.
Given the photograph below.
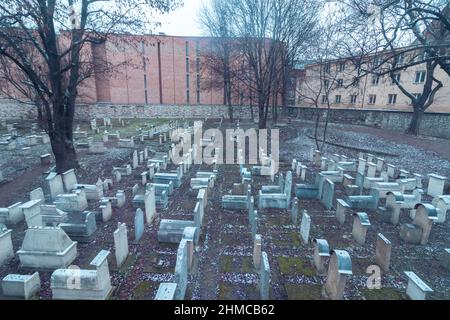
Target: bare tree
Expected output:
[46,43]
[267,37]
[405,34]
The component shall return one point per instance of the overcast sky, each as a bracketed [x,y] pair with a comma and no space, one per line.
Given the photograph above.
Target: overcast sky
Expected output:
[183,21]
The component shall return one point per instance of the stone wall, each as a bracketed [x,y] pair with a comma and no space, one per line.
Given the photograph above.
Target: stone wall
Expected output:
[433,124]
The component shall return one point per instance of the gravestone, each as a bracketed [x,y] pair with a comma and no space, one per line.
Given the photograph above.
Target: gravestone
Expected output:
[339,268]
[6,246]
[150,205]
[166,291]
[181,270]
[294,211]
[37,194]
[69,179]
[361,166]
[77,284]
[135,162]
[321,253]
[305,227]
[436,185]
[372,169]
[416,288]
[21,286]
[342,210]
[383,252]
[257,247]
[360,225]
[32,213]
[264,281]
[121,244]
[56,185]
[138,225]
[47,248]
[327,194]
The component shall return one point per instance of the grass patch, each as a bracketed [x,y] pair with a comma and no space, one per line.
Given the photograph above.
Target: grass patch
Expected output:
[295,265]
[303,291]
[142,290]
[382,294]
[291,239]
[226,263]
[225,291]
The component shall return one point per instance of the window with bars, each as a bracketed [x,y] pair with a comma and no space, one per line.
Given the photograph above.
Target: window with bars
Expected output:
[353,98]
[372,99]
[375,80]
[340,83]
[338,98]
[420,76]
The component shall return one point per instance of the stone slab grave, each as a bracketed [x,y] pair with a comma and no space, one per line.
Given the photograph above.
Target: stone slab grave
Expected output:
[305,227]
[264,277]
[339,268]
[126,143]
[164,178]
[362,202]
[92,191]
[418,232]
[121,244]
[139,225]
[52,216]
[12,215]
[191,235]
[6,246]
[80,226]
[383,252]
[361,224]
[90,284]
[118,201]
[72,202]
[181,270]
[124,171]
[321,255]
[277,200]
[47,248]
[416,288]
[171,231]
[396,201]
[436,185]
[21,286]
[306,191]
[443,204]
[235,202]
[166,291]
[32,213]
[160,187]
[275,189]
[381,189]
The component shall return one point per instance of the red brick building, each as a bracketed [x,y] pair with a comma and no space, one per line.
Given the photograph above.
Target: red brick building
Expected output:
[151,70]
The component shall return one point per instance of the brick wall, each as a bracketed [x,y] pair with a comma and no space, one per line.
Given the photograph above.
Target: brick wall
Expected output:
[433,124]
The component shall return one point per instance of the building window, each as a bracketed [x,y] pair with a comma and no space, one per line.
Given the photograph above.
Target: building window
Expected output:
[197,65]
[355,82]
[353,98]
[188,97]
[420,76]
[340,83]
[324,99]
[198,96]
[187,49]
[337,99]
[376,62]
[372,99]
[396,77]
[187,65]
[399,60]
[327,68]
[145,89]
[187,81]
[375,80]
[326,84]
[342,66]
[392,99]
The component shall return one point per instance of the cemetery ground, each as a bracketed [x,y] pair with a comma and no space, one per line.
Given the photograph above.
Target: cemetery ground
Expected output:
[223,266]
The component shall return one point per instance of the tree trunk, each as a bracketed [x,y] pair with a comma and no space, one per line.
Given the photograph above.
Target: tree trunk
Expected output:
[64,151]
[414,126]
[262,119]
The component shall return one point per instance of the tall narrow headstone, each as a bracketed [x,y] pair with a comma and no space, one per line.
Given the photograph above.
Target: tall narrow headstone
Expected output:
[257,246]
[121,244]
[305,227]
[150,205]
[264,282]
[383,252]
[138,225]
